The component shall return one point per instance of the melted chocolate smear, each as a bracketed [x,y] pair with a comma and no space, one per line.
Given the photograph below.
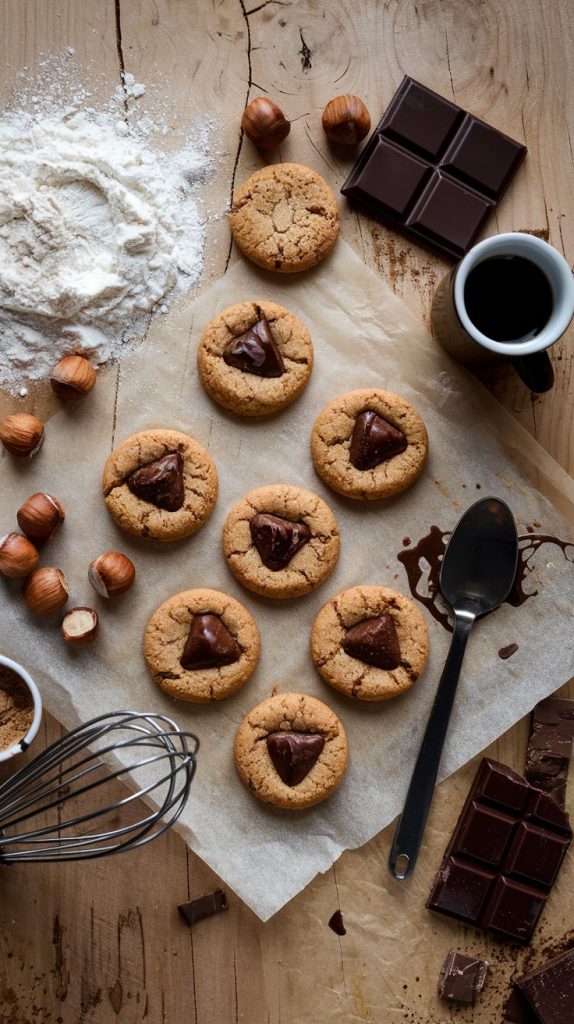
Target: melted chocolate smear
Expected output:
[423,564]
[375,642]
[336,923]
[277,540]
[374,440]
[209,644]
[294,754]
[255,352]
[160,482]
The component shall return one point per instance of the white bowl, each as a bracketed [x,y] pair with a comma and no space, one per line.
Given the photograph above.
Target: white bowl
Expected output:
[26,740]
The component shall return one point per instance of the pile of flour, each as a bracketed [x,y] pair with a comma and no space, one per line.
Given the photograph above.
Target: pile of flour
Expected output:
[99,230]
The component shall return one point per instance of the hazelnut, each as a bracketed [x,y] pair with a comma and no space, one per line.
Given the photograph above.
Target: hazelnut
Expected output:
[72,378]
[111,574]
[80,626]
[346,120]
[21,434]
[265,123]
[39,516]
[18,556]
[45,591]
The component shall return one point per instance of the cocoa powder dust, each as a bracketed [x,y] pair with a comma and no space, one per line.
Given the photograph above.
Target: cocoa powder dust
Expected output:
[16,708]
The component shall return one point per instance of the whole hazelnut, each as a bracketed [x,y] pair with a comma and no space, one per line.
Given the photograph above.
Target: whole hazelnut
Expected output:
[73,378]
[80,626]
[346,120]
[39,516]
[265,123]
[18,556]
[21,434]
[45,591]
[111,574]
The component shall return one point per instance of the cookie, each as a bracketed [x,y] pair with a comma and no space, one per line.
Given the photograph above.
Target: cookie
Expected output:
[160,484]
[370,643]
[285,218]
[201,645]
[291,751]
[281,541]
[255,358]
[369,444]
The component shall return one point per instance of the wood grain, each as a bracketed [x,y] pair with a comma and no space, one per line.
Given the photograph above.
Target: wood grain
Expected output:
[103,942]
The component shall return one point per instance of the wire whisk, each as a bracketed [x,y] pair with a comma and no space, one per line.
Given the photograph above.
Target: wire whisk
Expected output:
[40,819]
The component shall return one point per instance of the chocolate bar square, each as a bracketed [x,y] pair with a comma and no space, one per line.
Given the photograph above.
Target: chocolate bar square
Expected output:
[462,977]
[548,991]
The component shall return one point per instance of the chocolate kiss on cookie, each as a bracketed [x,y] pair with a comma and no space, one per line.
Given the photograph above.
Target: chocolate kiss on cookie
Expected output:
[294,754]
[209,644]
[374,440]
[375,642]
[255,352]
[277,539]
[160,482]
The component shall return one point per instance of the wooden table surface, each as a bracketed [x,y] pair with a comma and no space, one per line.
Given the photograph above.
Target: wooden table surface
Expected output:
[103,942]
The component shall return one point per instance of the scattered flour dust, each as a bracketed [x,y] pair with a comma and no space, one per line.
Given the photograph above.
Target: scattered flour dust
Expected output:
[99,229]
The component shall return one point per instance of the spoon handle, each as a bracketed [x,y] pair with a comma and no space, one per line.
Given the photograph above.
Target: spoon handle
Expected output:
[411,826]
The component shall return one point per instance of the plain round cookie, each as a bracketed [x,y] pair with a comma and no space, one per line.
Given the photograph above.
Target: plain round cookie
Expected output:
[144,519]
[353,677]
[285,218]
[247,394]
[308,568]
[166,634]
[331,441]
[290,712]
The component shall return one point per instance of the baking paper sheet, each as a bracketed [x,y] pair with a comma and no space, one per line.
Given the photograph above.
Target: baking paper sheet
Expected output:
[363,336]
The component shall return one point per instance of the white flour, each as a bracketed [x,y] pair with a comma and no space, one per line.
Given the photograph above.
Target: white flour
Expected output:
[98,230]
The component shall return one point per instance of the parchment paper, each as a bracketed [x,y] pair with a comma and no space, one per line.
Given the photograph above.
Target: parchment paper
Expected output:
[363,336]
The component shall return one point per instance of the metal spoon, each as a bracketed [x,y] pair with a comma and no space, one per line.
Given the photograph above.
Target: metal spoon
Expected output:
[476,576]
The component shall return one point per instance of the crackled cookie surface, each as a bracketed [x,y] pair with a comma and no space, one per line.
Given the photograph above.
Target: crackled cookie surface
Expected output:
[370,643]
[201,645]
[369,444]
[255,358]
[291,750]
[160,484]
[285,217]
[281,541]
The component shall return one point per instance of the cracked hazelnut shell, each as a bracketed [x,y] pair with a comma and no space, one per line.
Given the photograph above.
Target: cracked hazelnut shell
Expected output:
[111,574]
[80,626]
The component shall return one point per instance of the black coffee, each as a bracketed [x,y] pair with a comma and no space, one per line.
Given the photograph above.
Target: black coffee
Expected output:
[508,298]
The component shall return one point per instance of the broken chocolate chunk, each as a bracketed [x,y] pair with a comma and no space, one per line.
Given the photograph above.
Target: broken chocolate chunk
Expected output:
[550,747]
[548,991]
[336,923]
[508,651]
[294,754]
[374,440]
[277,539]
[209,644]
[462,977]
[255,352]
[375,642]
[204,906]
[160,482]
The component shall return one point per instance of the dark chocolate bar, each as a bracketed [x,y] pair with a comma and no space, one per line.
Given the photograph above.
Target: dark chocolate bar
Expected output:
[204,906]
[433,170]
[504,855]
[462,977]
[550,747]
[548,991]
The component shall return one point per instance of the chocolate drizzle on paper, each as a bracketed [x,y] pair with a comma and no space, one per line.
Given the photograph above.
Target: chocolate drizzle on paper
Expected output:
[423,562]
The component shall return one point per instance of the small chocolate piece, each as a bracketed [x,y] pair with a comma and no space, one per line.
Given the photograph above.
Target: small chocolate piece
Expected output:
[160,482]
[209,644]
[462,977]
[255,352]
[374,440]
[508,651]
[375,642]
[517,1011]
[204,906]
[294,754]
[504,855]
[432,170]
[336,923]
[550,747]
[277,539]
[548,991]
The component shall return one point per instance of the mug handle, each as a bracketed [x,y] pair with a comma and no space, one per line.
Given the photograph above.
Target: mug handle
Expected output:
[535,371]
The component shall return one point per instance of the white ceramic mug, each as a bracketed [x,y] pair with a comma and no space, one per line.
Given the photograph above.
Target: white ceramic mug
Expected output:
[26,740]
[457,334]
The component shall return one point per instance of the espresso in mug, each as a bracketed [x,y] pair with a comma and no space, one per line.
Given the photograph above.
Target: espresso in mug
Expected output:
[508,298]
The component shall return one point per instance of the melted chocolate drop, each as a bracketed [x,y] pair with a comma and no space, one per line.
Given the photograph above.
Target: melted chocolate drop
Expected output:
[255,352]
[209,644]
[294,754]
[160,482]
[374,440]
[375,642]
[277,540]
